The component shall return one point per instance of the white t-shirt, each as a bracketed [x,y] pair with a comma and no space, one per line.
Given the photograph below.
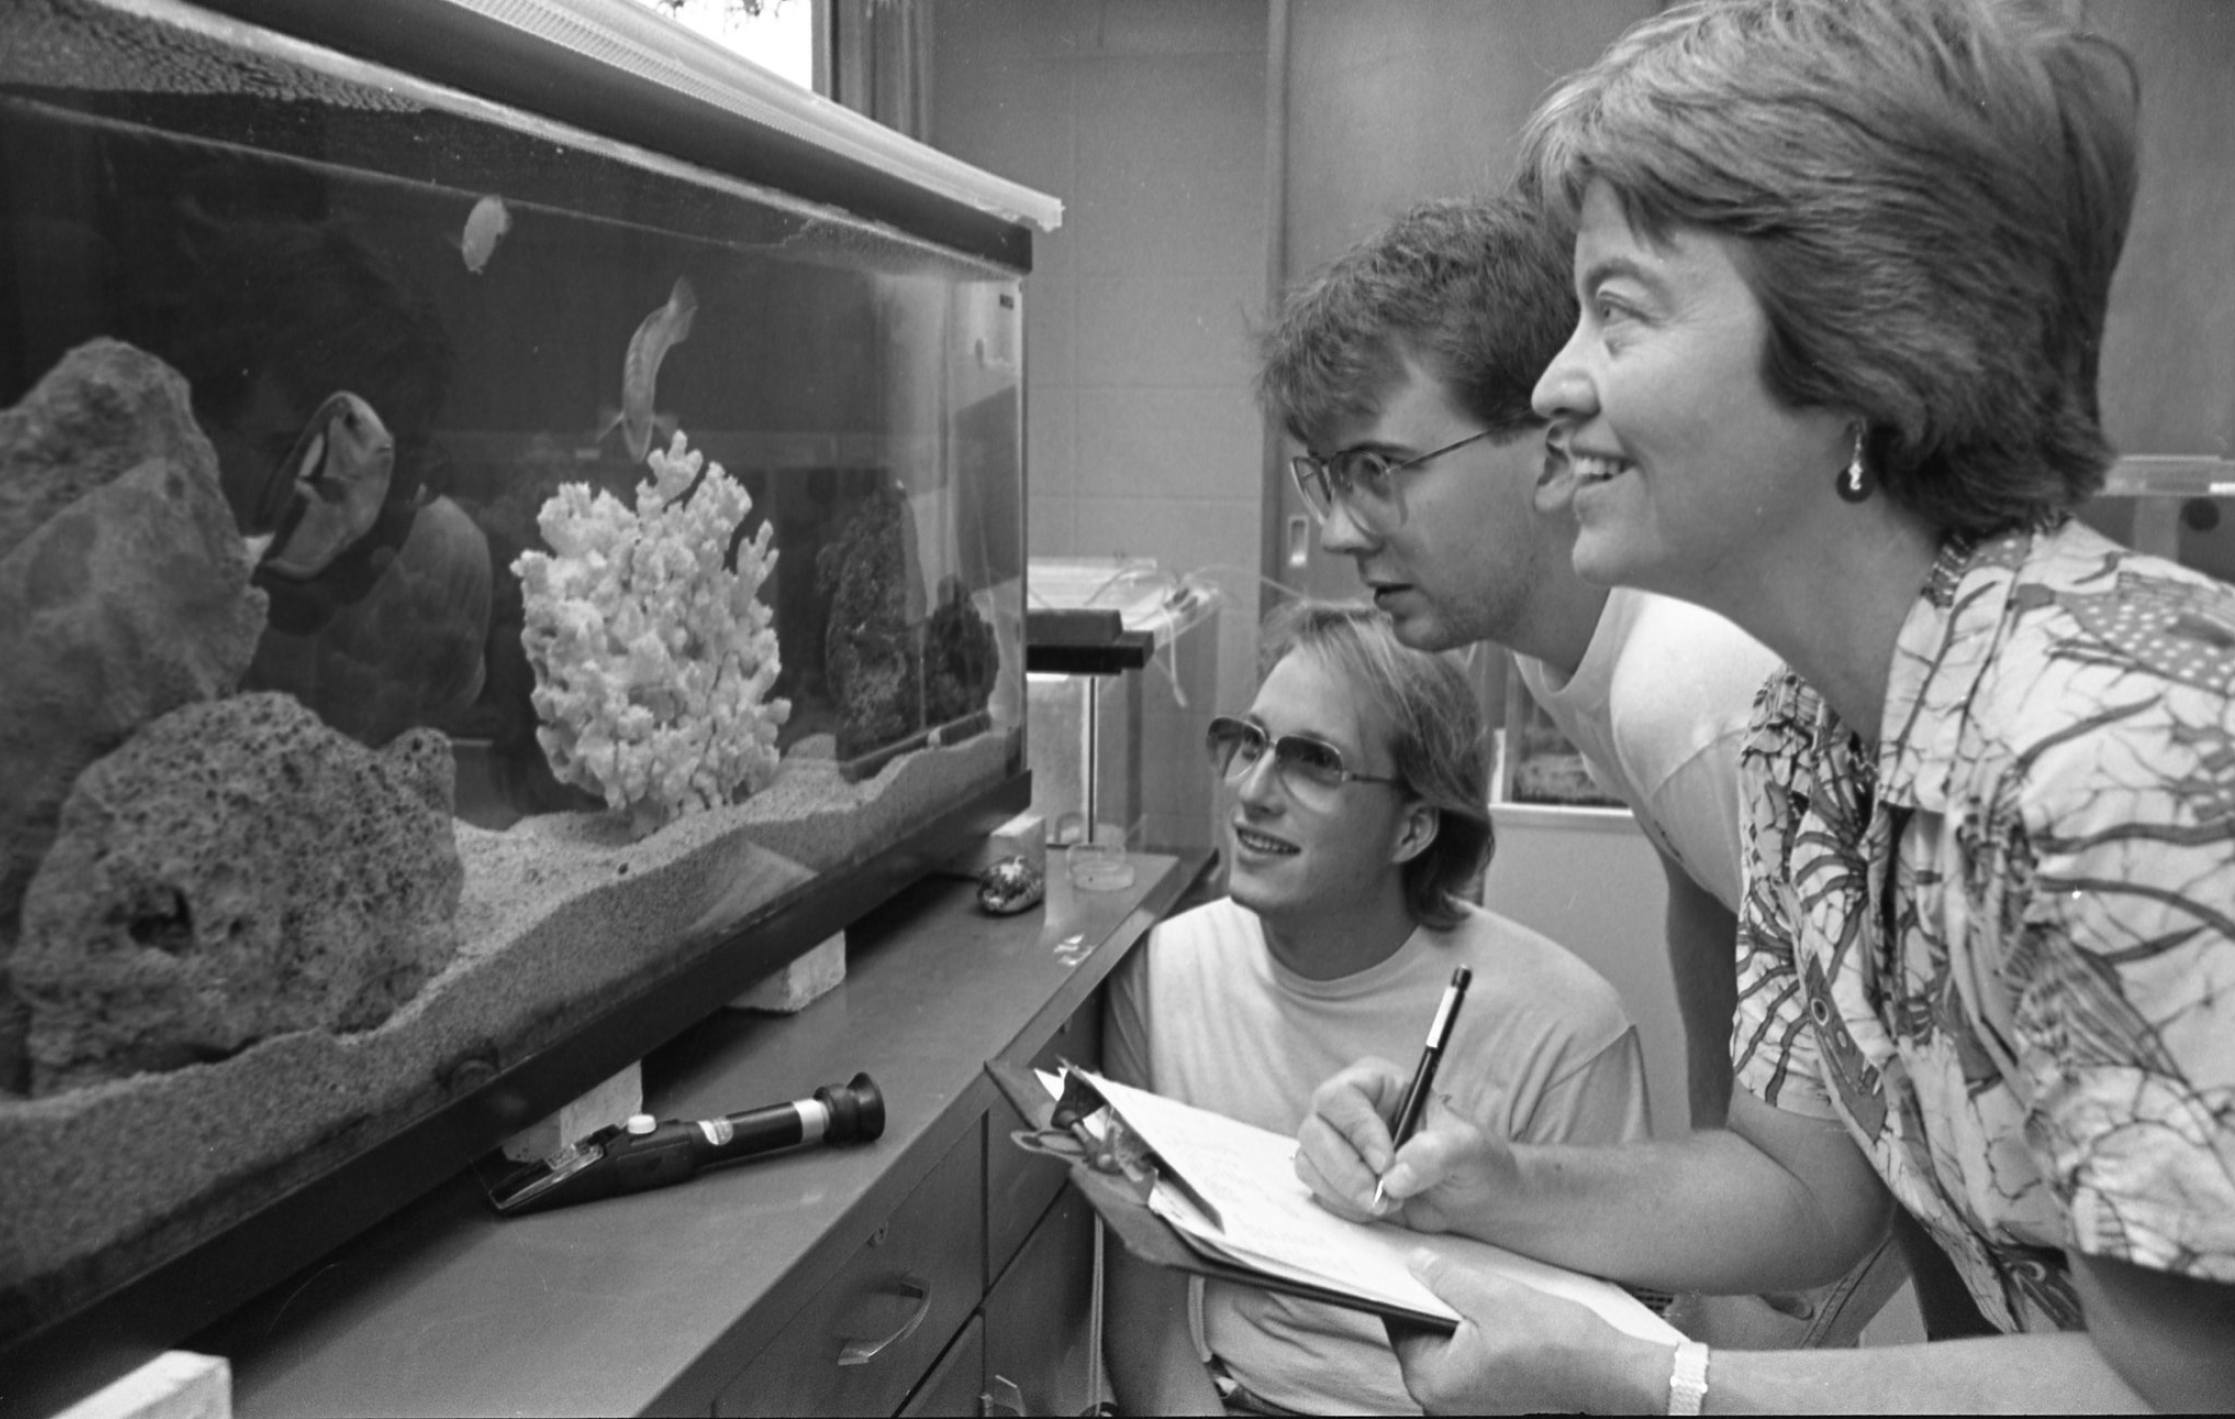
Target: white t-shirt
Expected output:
[1541,1052]
[1658,707]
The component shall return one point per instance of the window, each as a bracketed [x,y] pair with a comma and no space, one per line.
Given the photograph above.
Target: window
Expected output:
[778,35]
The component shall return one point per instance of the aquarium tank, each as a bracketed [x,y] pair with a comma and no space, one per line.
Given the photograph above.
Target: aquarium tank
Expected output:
[511,529]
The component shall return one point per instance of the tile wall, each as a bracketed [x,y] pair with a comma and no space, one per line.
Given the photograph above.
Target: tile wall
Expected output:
[1147,118]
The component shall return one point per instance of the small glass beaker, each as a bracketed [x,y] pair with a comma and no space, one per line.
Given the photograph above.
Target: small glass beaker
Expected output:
[1099,867]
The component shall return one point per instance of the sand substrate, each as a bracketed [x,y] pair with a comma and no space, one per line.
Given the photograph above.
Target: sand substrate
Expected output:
[103,1183]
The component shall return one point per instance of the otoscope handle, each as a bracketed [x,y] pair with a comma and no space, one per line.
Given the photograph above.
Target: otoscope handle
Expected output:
[647,1153]
[854,1113]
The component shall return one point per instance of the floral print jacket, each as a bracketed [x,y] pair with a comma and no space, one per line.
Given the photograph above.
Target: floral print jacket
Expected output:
[2001,948]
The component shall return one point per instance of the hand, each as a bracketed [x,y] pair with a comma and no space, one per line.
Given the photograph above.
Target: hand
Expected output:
[1445,1178]
[1519,1350]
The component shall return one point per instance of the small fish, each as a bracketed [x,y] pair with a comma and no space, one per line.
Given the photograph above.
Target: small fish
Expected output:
[486,224]
[660,332]
[339,469]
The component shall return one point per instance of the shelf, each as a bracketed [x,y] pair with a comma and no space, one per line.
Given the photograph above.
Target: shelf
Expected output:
[2167,477]
[655,1301]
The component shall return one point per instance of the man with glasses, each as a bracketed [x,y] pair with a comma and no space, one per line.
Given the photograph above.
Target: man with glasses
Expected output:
[1407,367]
[1356,791]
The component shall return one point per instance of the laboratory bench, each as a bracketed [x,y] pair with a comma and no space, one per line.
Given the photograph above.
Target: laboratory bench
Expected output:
[938,1269]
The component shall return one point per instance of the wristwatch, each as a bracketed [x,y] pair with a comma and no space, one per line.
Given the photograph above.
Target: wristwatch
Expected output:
[1687,1378]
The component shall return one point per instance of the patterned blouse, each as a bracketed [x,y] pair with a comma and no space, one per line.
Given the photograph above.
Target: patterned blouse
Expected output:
[2003,952]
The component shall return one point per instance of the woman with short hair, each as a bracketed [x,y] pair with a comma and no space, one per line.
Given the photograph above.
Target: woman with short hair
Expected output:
[1843,268]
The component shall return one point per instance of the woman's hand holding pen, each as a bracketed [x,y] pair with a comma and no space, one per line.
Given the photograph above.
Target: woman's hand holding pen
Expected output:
[1446,1178]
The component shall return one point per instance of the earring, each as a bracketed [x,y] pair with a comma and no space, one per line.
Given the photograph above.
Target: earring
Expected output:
[1853,482]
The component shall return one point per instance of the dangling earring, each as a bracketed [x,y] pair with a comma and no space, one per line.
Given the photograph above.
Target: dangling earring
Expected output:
[1853,482]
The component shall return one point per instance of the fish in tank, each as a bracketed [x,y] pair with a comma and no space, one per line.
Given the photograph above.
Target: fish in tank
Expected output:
[454,567]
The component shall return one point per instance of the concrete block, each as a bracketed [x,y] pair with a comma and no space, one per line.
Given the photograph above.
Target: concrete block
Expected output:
[178,1384]
[1025,836]
[609,1103]
[797,985]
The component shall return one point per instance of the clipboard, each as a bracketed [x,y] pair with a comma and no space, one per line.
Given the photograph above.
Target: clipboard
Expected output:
[1272,1236]
[1151,1239]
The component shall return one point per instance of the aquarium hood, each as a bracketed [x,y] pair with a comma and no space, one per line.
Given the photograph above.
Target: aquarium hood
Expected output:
[615,68]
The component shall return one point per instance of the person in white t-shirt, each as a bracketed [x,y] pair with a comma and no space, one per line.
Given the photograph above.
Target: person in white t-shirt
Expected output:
[1407,367]
[1357,831]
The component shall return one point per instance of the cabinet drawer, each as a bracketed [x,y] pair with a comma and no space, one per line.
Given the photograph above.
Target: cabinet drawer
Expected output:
[1040,1318]
[957,1384]
[1020,1185]
[865,1339]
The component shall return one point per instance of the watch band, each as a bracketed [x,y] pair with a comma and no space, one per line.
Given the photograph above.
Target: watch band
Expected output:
[1687,1378]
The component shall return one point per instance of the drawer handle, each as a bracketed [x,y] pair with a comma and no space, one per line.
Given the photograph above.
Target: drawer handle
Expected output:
[906,1288]
[1005,1398]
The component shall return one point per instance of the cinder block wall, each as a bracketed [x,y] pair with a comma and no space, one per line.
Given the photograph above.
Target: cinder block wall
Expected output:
[1147,117]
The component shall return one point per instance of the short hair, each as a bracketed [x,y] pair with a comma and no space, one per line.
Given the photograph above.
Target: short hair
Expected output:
[1437,739]
[1478,290]
[1930,198]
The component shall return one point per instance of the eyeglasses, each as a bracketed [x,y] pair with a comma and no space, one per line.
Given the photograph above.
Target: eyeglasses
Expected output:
[1363,480]
[1301,761]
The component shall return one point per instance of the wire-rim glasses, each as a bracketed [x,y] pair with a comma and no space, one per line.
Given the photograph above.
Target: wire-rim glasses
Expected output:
[1363,480]
[1299,760]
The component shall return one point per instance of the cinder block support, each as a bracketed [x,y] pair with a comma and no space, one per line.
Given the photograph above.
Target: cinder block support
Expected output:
[177,1384]
[609,1103]
[796,986]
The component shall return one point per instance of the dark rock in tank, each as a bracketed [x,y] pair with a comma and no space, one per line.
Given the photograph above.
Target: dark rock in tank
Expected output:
[130,598]
[390,636]
[237,871]
[962,659]
[319,360]
[873,648]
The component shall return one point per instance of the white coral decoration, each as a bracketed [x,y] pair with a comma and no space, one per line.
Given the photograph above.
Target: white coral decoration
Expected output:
[653,660]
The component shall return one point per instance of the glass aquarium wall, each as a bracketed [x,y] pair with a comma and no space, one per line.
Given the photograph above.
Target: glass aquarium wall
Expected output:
[457,570]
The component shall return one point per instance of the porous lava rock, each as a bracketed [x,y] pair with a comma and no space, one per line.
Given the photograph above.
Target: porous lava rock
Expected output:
[124,593]
[105,409]
[236,871]
[561,916]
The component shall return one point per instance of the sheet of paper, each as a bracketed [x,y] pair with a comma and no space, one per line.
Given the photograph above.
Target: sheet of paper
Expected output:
[1365,1271]
[1271,1221]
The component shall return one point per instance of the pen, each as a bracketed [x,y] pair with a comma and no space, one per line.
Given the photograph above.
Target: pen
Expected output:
[1423,1078]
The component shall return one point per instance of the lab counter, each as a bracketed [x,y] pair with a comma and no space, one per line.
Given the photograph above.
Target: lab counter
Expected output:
[883,1277]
